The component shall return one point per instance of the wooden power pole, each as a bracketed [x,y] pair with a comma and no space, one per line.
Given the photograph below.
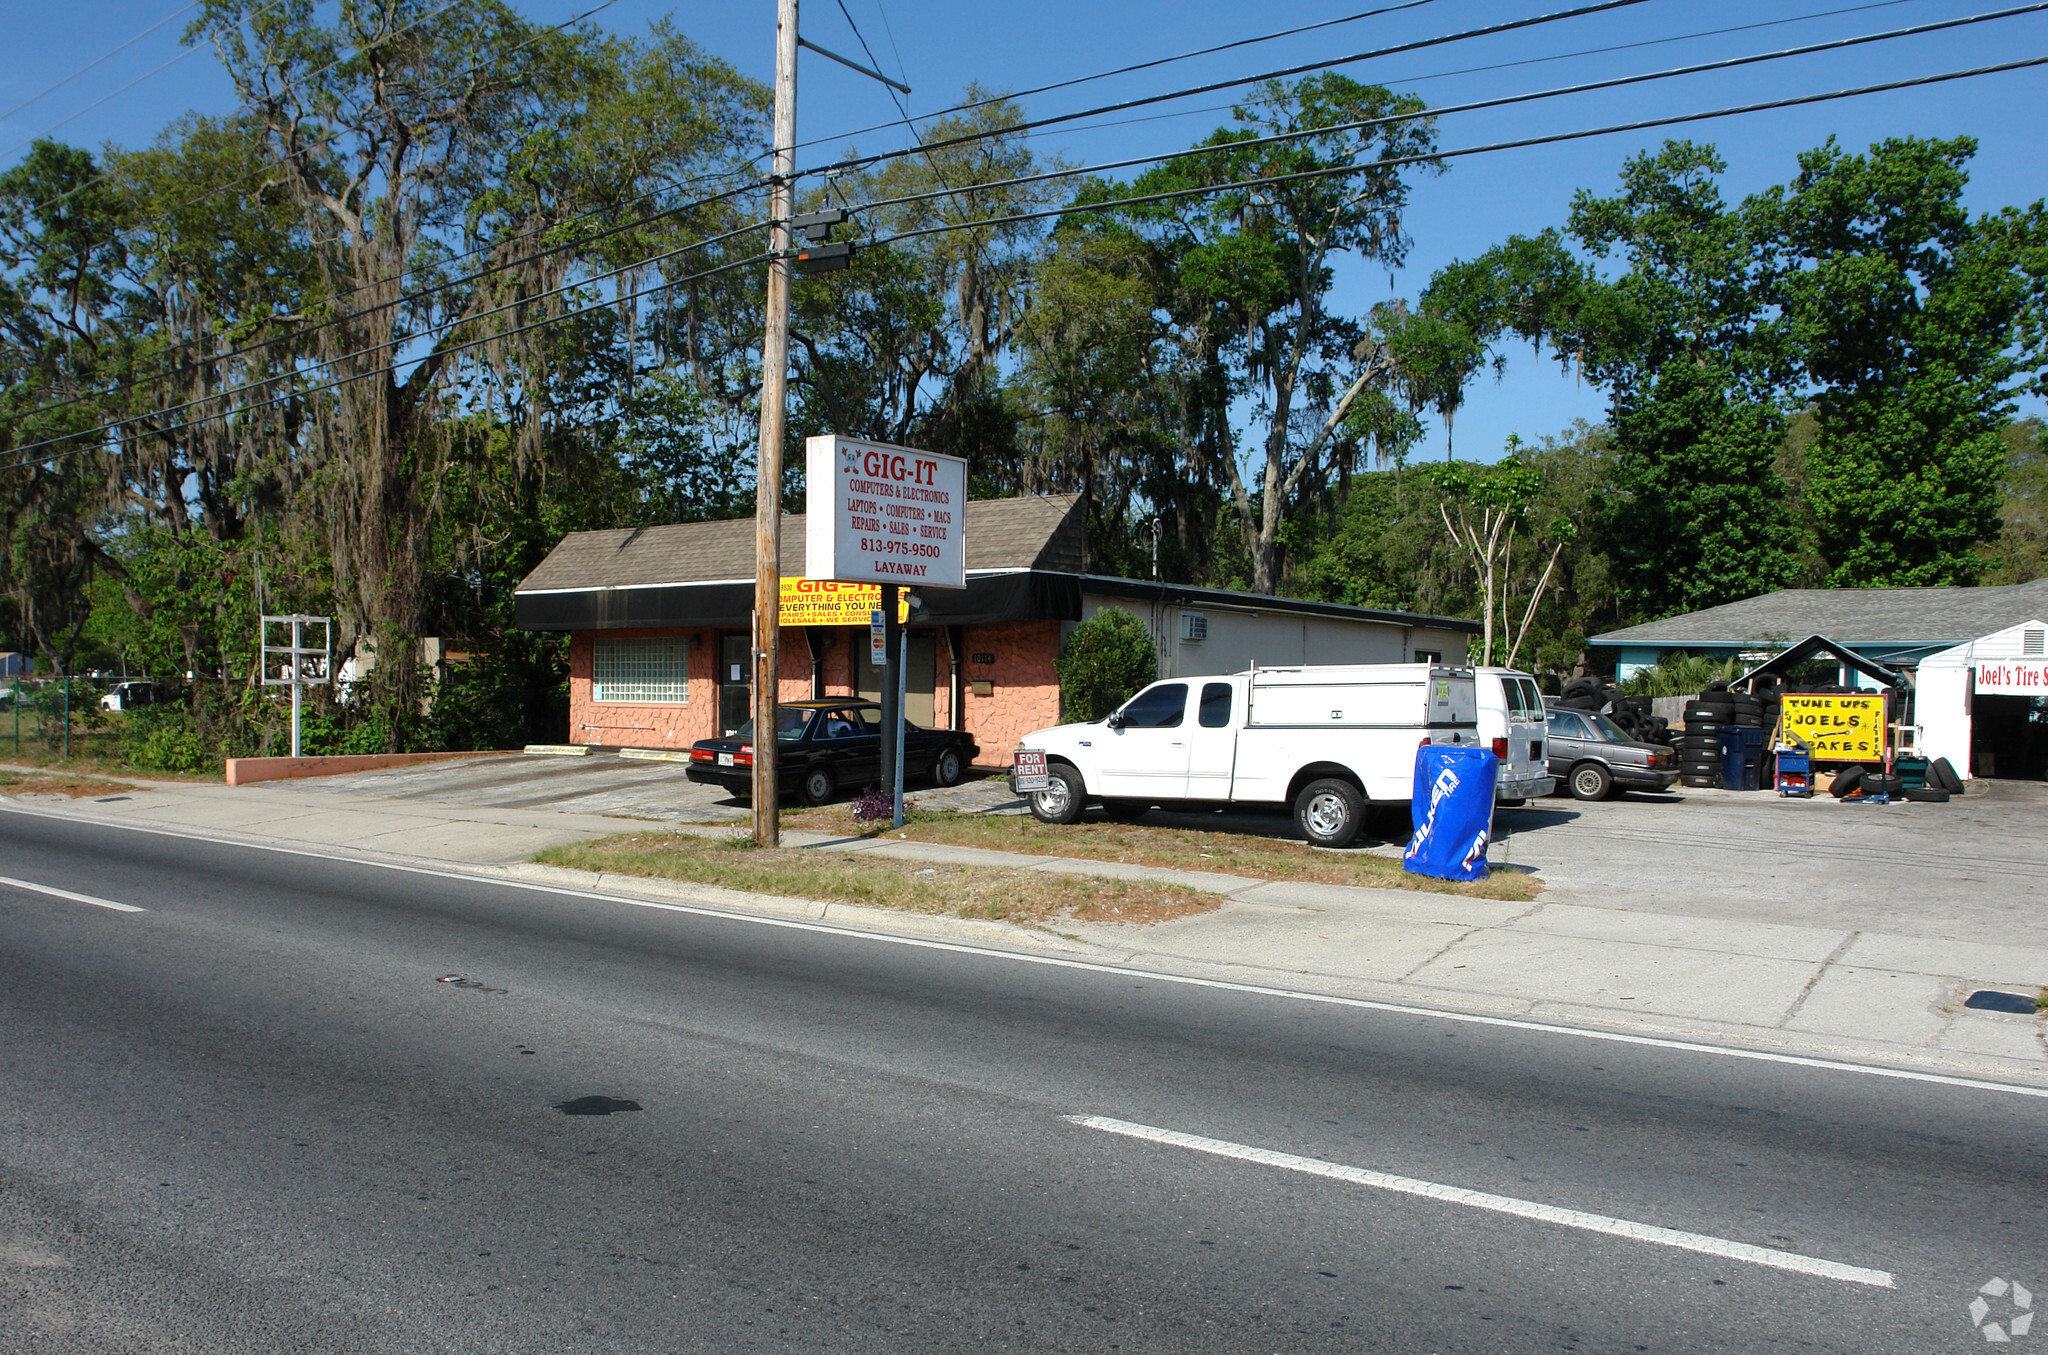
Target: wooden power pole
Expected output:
[768,463]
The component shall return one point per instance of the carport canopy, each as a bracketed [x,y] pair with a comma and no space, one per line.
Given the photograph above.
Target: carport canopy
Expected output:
[1813,646]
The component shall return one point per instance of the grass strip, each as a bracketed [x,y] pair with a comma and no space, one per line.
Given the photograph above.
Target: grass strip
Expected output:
[1230,853]
[77,787]
[1002,893]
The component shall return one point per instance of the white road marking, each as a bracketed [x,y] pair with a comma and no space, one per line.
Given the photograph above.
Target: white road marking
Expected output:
[57,893]
[1087,966]
[1499,1204]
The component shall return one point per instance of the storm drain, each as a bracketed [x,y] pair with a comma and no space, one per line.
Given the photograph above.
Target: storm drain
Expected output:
[1991,1000]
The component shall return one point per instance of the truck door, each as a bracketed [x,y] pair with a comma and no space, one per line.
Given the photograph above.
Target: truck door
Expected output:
[1212,742]
[1146,756]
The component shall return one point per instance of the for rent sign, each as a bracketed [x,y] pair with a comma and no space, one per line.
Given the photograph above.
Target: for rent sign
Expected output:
[883,514]
[2012,677]
[1837,728]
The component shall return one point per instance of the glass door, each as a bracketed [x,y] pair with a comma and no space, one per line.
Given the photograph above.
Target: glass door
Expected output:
[735,684]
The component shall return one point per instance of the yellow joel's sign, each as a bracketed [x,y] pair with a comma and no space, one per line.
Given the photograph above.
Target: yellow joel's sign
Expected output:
[1837,728]
[820,602]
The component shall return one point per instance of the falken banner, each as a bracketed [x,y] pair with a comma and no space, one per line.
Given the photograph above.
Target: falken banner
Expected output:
[885,514]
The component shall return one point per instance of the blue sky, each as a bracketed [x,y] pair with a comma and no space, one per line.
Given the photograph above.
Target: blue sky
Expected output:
[940,48]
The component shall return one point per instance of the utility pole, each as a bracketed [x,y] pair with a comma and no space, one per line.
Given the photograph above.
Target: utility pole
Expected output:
[768,464]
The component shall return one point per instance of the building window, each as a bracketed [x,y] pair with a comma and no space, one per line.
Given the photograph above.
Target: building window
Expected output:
[650,672]
[1429,656]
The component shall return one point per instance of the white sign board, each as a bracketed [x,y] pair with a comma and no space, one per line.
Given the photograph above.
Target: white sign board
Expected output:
[2012,677]
[883,514]
[878,637]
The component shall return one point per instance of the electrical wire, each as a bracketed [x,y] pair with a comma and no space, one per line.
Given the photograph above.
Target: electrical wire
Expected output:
[36,98]
[1488,30]
[1501,101]
[104,98]
[1552,138]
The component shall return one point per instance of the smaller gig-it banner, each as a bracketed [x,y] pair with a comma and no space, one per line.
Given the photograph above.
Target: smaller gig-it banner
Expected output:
[820,602]
[1837,728]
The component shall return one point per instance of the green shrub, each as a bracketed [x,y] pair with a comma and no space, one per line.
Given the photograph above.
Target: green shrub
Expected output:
[168,739]
[1106,659]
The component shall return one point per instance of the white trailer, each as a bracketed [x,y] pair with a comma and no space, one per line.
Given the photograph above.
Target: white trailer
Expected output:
[1324,742]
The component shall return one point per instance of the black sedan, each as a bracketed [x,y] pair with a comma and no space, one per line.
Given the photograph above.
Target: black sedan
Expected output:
[1592,757]
[823,746]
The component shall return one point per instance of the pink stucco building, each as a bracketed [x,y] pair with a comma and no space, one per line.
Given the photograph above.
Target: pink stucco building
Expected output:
[659,620]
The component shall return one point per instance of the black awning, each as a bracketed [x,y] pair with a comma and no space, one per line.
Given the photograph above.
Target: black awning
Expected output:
[1814,645]
[1027,595]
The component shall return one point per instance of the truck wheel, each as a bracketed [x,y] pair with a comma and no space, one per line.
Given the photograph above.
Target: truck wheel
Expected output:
[946,768]
[818,785]
[1329,812]
[1063,797]
[1591,781]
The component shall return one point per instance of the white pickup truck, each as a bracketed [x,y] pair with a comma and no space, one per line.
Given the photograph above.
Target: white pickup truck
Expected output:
[1324,741]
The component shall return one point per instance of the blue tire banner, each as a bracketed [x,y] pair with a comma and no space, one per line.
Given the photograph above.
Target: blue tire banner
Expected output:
[1453,812]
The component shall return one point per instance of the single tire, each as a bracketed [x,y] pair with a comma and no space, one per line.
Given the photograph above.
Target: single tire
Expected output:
[1927,795]
[1125,811]
[1846,781]
[1877,783]
[1698,782]
[1591,781]
[947,769]
[818,785]
[1063,797]
[1329,812]
[1709,713]
[1941,772]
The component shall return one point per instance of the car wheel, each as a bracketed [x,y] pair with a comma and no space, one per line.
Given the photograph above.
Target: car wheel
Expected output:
[818,785]
[1591,781]
[1062,798]
[1329,812]
[1125,811]
[947,768]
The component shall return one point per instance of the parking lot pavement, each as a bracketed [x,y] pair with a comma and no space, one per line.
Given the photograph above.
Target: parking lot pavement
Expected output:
[1973,870]
[598,783]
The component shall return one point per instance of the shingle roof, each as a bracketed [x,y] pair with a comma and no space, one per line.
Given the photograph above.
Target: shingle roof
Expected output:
[1901,616]
[1036,532]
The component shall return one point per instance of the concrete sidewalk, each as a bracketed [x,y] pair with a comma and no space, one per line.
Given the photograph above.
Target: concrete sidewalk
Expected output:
[1581,957]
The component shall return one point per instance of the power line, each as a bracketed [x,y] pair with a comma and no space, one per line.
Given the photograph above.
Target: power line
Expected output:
[1509,26]
[1522,143]
[948,191]
[1501,101]
[72,117]
[1121,70]
[105,56]
[1403,81]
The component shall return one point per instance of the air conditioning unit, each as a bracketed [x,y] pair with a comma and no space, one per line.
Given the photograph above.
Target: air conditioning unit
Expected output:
[1193,627]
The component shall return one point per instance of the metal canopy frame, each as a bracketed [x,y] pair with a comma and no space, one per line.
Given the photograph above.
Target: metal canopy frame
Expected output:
[1814,645]
[296,662]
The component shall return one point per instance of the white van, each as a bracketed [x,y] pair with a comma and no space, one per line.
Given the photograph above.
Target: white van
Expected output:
[1512,723]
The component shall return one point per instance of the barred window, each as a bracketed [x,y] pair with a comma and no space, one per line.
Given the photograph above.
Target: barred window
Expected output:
[650,671]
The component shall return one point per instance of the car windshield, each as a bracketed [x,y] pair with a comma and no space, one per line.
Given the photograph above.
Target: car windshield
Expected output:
[789,725]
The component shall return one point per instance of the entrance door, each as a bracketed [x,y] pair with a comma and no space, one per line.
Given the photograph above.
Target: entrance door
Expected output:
[920,677]
[1146,758]
[735,684]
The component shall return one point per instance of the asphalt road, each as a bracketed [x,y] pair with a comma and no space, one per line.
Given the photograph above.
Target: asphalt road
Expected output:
[261,1115]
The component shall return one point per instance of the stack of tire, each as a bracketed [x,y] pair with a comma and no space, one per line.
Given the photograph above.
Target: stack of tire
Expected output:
[1632,714]
[1699,749]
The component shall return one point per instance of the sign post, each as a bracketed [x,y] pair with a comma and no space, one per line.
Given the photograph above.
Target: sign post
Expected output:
[291,659]
[892,516]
